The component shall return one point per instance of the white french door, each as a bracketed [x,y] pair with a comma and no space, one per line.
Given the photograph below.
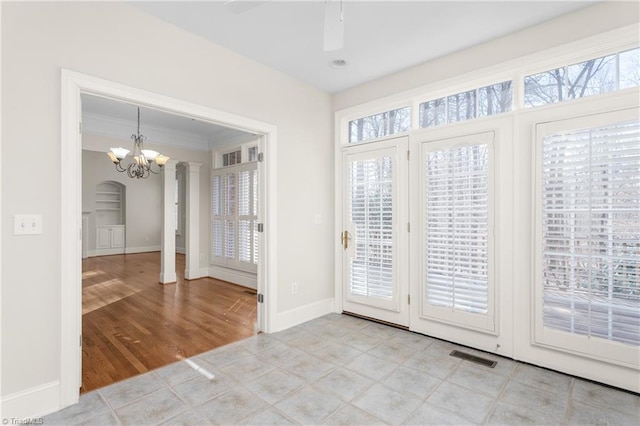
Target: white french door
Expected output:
[587,236]
[375,230]
[453,281]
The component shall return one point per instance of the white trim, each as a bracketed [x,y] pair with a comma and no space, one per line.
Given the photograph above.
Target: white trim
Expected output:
[302,314]
[515,69]
[72,85]
[245,279]
[1,402]
[192,220]
[128,250]
[180,250]
[193,274]
[106,252]
[33,402]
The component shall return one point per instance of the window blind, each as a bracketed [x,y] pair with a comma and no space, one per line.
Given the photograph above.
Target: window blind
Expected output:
[371,191]
[456,240]
[591,232]
[234,204]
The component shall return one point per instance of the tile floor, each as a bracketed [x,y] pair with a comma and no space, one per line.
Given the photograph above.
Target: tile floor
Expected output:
[340,370]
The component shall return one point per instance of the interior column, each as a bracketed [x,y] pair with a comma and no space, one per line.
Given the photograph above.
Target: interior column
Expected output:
[192,222]
[168,232]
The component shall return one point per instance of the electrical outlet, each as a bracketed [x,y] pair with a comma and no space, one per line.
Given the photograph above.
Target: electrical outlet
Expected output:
[294,288]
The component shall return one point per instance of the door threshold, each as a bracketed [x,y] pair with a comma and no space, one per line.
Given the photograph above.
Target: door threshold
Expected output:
[390,324]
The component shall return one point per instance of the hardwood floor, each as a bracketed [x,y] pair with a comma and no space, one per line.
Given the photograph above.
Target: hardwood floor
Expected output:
[132,324]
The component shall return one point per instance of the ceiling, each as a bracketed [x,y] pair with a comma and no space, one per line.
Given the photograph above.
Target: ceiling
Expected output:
[380,37]
[116,119]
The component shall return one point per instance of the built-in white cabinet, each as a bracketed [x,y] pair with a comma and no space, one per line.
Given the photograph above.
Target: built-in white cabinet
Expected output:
[110,206]
[110,239]
[110,218]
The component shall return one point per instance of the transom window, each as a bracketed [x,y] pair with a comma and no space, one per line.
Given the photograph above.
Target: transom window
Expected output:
[380,125]
[484,101]
[595,76]
[231,158]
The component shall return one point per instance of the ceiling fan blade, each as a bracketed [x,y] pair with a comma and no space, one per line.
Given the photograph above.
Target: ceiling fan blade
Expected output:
[333,26]
[239,7]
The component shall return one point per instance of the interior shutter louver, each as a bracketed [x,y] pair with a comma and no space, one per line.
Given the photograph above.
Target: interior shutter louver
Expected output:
[591,232]
[456,240]
[234,242]
[371,191]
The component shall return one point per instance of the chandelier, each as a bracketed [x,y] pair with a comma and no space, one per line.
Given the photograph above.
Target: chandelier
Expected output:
[141,161]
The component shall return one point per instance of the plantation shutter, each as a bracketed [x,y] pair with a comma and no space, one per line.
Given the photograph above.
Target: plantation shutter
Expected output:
[216,211]
[371,192]
[591,232]
[234,205]
[456,239]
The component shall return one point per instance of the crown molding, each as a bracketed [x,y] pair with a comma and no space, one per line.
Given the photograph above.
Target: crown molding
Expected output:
[101,125]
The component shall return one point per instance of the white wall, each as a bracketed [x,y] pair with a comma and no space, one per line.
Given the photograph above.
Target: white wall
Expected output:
[142,202]
[586,22]
[143,196]
[120,43]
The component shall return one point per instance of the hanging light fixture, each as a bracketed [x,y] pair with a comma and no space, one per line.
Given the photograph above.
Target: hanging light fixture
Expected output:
[140,165]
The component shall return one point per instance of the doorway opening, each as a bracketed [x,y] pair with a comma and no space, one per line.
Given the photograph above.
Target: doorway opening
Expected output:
[73,86]
[131,324]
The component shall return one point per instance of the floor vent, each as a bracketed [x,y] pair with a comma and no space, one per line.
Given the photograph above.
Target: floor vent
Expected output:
[473,358]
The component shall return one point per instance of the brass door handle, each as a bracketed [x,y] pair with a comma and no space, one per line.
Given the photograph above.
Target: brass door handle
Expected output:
[345,239]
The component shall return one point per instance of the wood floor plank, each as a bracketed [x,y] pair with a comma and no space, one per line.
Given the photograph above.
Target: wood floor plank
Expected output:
[131,324]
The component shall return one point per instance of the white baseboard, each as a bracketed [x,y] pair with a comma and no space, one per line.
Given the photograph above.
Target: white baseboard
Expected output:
[195,274]
[105,252]
[296,316]
[128,250]
[180,250]
[246,279]
[33,402]
[168,278]
[143,249]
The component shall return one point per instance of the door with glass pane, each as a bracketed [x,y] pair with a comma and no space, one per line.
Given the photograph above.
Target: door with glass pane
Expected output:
[454,281]
[587,269]
[375,228]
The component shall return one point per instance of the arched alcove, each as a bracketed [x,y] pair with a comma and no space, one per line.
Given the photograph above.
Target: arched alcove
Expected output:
[110,217]
[110,203]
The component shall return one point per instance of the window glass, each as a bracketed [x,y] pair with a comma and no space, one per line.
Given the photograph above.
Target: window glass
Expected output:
[484,101]
[591,77]
[380,125]
[461,106]
[252,153]
[399,120]
[456,231]
[495,99]
[433,113]
[629,68]
[595,76]
[590,233]
[544,88]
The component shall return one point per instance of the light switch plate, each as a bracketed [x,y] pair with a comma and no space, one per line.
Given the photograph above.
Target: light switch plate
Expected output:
[27,224]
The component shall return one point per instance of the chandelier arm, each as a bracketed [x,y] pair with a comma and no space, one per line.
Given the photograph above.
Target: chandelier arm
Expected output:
[139,166]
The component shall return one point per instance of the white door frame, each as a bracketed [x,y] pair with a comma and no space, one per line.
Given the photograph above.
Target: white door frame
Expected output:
[393,312]
[73,85]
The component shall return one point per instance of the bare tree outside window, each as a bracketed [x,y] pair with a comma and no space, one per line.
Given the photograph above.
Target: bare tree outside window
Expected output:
[595,76]
[380,125]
